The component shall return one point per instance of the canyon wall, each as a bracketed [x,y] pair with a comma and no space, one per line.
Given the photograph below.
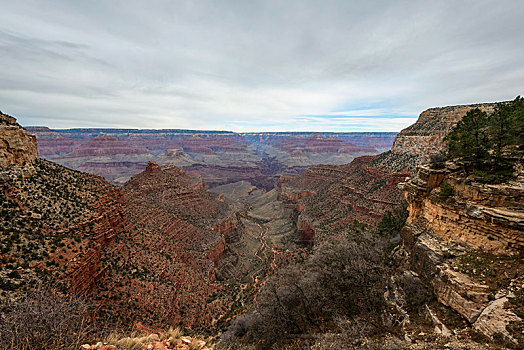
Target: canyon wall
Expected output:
[466,244]
[415,144]
[331,197]
[463,239]
[220,157]
[489,217]
[17,146]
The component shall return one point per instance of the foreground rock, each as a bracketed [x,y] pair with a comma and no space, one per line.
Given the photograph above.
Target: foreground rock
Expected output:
[467,245]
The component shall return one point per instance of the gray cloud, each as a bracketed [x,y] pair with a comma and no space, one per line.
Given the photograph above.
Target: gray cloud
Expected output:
[254,65]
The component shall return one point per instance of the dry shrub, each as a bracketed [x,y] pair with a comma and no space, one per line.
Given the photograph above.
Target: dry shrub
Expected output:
[174,333]
[43,320]
[127,343]
[343,277]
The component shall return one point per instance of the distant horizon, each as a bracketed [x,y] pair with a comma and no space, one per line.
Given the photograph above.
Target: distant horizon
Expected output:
[209,130]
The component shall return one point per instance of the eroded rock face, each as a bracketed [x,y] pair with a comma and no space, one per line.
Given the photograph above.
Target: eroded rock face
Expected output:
[176,234]
[17,146]
[415,144]
[467,245]
[332,196]
[486,217]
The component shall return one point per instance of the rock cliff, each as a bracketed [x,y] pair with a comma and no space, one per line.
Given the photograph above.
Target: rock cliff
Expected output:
[17,146]
[489,217]
[415,144]
[331,197]
[466,240]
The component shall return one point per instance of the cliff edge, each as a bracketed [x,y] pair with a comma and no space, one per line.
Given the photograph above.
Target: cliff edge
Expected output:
[17,146]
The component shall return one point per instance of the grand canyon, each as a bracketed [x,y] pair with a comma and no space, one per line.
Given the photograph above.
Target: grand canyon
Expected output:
[204,222]
[219,157]
[261,175]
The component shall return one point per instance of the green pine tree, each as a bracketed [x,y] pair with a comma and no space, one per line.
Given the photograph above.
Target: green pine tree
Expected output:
[469,139]
[506,127]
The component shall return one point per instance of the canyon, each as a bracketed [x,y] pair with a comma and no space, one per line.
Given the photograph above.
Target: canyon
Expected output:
[200,219]
[219,157]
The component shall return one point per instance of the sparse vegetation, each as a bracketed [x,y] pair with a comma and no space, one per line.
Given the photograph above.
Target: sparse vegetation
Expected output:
[393,220]
[342,278]
[43,320]
[446,191]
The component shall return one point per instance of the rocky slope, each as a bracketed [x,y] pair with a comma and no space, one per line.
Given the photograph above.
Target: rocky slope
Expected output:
[329,198]
[55,222]
[127,250]
[161,268]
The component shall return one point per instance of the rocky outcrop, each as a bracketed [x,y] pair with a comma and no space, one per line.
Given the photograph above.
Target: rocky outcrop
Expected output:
[328,198]
[483,216]
[17,146]
[415,144]
[463,241]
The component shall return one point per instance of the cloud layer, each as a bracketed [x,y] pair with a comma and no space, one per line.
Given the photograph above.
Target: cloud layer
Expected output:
[254,65]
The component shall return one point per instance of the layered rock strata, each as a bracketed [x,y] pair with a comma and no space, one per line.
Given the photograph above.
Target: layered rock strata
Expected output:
[467,244]
[415,144]
[17,146]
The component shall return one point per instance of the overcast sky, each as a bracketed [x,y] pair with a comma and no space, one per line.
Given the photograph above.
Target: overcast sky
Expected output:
[254,65]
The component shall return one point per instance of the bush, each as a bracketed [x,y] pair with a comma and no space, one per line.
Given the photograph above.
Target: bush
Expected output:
[438,160]
[343,277]
[393,221]
[43,320]
[446,191]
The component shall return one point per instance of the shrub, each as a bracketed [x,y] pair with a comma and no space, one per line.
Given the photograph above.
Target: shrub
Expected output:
[446,191]
[344,277]
[393,221]
[43,320]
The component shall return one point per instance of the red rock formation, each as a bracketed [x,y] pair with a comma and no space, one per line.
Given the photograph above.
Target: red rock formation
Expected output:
[319,144]
[220,157]
[165,259]
[330,197]
[67,218]
[52,143]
